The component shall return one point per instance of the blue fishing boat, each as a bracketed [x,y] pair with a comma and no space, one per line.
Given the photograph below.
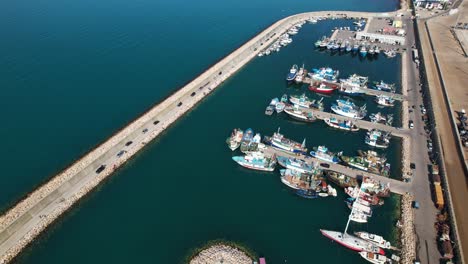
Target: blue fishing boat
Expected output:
[363,51]
[256,161]
[350,90]
[308,194]
[349,109]
[341,124]
[278,141]
[355,47]
[295,164]
[382,86]
[324,74]
[292,73]
[322,153]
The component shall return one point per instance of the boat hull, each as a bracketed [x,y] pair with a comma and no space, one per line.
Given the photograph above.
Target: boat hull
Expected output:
[322,91]
[351,242]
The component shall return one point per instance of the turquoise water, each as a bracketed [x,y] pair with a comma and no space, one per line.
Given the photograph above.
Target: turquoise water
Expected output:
[74,72]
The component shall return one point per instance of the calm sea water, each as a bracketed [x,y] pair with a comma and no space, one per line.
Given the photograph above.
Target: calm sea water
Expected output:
[72,73]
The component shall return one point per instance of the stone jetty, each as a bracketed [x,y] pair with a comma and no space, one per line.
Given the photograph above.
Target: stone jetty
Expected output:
[221,254]
[408,237]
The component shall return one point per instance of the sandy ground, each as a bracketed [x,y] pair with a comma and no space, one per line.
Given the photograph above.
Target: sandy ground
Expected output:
[454,70]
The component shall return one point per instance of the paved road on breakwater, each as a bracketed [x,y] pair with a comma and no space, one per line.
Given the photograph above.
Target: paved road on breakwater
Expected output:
[24,221]
[396,186]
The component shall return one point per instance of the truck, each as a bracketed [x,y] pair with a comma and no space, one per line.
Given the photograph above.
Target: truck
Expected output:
[439,197]
[435,169]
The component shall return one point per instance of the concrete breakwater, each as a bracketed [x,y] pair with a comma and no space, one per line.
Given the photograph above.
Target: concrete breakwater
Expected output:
[221,254]
[28,218]
[408,237]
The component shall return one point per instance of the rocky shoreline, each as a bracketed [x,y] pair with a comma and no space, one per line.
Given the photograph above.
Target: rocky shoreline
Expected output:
[221,253]
[408,237]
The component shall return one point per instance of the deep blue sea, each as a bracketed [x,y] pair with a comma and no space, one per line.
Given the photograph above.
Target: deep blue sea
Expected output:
[74,72]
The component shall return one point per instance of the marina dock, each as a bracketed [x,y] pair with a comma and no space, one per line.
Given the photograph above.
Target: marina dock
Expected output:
[396,186]
[23,222]
[368,91]
[399,132]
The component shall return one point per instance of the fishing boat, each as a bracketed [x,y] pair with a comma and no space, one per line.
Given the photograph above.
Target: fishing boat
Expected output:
[373,257]
[376,50]
[296,113]
[269,110]
[350,90]
[256,161]
[246,139]
[321,88]
[342,46]
[363,51]
[355,193]
[330,45]
[349,109]
[274,101]
[381,119]
[374,187]
[324,44]
[371,51]
[284,98]
[278,141]
[295,164]
[341,124]
[295,180]
[235,139]
[390,53]
[293,31]
[300,75]
[382,86]
[356,162]
[359,207]
[279,107]
[322,153]
[355,80]
[341,180]
[318,43]
[374,239]
[324,74]
[305,102]
[351,242]
[384,100]
[308,194]
[292,73]
[348,47]
[377,138]
[355,47]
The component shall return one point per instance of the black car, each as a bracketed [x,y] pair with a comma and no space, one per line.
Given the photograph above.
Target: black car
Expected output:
[325,165]
[156,122]
[412,166]
[101,168]
[145,130]
[121,153]
[128,143]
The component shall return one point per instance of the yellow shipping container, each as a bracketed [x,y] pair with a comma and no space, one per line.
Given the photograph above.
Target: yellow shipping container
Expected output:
[439,197]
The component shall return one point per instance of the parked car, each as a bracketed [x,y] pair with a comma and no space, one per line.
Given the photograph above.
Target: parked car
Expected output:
[128,143]
[145,130]
[411,124]
[100,169]
[325,165]
[121,153]
[412,166]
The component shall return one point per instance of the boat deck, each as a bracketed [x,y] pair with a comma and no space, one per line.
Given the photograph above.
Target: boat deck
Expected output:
[396,186]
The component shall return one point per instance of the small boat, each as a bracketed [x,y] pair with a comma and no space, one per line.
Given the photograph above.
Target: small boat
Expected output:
[298,114]
[384,100]
[294,179]
[378,139]
[278,141]
[318,43]
[321,88]
[381,119]
[293,31]
[280,107]
[284,98]
[341,124]
[363,51]
[269,110]
[274,101]
[341,180]
[342,46]
[256,161]
[373,257]
[292,73]
[376,50]
[358,217]
[350,90]
[235,139]
[295,164]
[322,153]
[305,102]
[382,86]
[324,74]
[348,47]
[356,162]
[348,109]
[355,48]
[375,239]
[308,194]
[390,53]
[324,44]
[371,51]
[300,75]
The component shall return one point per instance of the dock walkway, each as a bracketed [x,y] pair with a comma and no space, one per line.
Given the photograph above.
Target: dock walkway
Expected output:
[399,132]
[396,186]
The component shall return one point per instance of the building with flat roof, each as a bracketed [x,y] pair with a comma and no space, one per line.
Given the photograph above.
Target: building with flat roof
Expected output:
[375,37]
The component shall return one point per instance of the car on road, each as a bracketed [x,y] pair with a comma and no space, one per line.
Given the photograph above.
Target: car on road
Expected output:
[100,169]
[156,122]
[423,110]
[121,153]
[145,130]
[128,143]
[325,165]
[412,166]
[411,124]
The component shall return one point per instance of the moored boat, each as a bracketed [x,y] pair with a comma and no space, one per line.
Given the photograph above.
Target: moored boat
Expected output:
[341,124]
[278,141]
[298,114]
[308,194]
[304,101]
[377,138]
[350,90]
[322,153]
[292,73]
[351,242]
[256,161]
[279,107]
[295,164]
[383,86]
[363,51]
[374,239]
[373,257]
[324,74]
[348,109]
[321,88]
[341,180]
[356,162]
[235,139]
[269,110]
[384,100]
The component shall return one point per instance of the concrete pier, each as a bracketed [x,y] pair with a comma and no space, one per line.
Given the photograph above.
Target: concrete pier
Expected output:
[399,132]
[29,217]
[396,186]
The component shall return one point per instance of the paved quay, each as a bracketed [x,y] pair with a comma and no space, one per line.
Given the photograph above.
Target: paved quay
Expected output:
[398,132]
[396,186]
[29,217]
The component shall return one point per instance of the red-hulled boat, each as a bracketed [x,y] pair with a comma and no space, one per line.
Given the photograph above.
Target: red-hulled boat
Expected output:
[322,88]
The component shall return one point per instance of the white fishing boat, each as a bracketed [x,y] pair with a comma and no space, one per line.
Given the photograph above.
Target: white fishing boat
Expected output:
[375,239]
[373,257]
